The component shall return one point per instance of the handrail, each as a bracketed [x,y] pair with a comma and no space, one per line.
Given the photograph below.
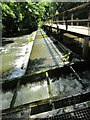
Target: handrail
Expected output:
[73,9]
[76,8]
[66,14]
[76,20]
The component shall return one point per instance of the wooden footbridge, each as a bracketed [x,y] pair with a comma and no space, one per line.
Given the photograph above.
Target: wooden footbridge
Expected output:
[63,26]
[56,84]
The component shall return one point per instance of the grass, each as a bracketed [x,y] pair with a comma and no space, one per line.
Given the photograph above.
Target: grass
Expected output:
[30,40]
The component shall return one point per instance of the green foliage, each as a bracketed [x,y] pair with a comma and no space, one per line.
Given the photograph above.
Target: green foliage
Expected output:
[19,16]
[31,39]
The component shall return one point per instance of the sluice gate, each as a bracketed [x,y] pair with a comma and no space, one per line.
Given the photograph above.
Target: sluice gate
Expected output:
[65,92]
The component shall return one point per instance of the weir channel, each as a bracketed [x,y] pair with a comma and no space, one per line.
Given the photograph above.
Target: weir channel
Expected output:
[52,87]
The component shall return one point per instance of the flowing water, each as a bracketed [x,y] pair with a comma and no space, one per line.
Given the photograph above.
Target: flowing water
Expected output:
[5,99]
[12,59]
[13,54]
[69,85]
[32,92]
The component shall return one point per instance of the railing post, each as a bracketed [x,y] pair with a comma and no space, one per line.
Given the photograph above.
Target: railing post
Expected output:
[51,30]
[57,32]
[61,35]
[77,23]
[66,20]
[72,19]
[85,47]
[63,21]
[88,24]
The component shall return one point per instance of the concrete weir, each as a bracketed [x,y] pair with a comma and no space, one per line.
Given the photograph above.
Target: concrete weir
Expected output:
[15,56]
[52,85]
[20,66]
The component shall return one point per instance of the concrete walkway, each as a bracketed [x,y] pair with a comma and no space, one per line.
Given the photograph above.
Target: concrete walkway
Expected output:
[44,54]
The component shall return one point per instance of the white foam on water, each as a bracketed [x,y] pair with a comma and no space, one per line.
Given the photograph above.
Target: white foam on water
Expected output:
[3,50]
[5,99]
[32,92]
[66,86]
[22,62]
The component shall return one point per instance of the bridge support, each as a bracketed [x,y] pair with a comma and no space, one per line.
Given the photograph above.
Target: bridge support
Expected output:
[77,23]
[63,21]
[85,47]
[61,35]
[57,32]
[88,24]
[72,19]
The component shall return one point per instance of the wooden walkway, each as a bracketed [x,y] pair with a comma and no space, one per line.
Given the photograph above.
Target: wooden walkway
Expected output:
[85,31]
[80,31]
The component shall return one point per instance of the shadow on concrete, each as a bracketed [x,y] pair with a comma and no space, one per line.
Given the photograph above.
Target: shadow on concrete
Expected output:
[35,65]
[51,53]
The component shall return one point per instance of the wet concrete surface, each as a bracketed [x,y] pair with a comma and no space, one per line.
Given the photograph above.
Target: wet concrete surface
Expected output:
[44,54]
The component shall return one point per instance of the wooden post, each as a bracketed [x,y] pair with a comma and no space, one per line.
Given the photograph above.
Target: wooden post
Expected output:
[66,20]
[51,30]
[57,32]
[77,23]
[88,24]
[72,19]
[63,21]
[66,25]
[85,47]
[57,28]
[61,35]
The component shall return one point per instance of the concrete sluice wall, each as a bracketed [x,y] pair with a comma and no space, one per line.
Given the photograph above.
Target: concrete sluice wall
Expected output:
[63,83]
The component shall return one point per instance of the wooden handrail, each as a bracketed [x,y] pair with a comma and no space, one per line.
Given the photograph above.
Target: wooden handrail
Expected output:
[76,8]
[76,20]
[73,9]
